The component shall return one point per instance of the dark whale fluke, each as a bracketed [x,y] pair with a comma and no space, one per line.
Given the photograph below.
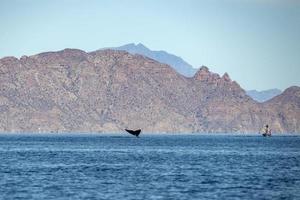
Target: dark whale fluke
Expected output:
[135,133]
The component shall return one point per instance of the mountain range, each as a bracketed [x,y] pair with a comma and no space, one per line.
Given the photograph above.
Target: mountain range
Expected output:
[186,69]
[110,90]
[174,61]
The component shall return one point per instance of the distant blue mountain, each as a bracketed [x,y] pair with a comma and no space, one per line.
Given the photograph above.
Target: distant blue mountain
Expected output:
[175,62]
[262,96]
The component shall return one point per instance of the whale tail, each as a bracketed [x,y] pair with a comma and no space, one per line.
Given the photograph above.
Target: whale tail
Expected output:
[134,132]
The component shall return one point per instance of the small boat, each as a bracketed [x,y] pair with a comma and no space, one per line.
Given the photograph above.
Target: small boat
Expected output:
[134,132]
[266,131]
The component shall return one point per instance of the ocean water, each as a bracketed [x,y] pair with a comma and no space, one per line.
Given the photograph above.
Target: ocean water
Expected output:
[150,167]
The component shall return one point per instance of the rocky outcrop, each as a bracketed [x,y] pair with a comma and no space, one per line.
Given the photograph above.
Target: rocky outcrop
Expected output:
[109,90]
[286,110]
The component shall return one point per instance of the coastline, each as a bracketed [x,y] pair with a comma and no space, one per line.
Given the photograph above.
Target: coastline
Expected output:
[124,134]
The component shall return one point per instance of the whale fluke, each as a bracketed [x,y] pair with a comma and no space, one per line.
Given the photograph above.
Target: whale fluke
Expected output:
[134,132]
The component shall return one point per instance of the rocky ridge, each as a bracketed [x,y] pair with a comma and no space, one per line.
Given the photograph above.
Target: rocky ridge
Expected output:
[109,90]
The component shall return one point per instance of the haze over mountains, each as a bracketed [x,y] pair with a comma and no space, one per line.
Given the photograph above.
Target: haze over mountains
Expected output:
[176,62]
[265,95]
[109,90]
[186,69]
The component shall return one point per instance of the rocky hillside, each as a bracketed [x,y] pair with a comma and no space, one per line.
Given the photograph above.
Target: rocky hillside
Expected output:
[286,109]
[109,90]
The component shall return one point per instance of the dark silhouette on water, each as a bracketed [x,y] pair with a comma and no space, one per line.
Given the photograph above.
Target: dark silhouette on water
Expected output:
[134,132]
[266,131]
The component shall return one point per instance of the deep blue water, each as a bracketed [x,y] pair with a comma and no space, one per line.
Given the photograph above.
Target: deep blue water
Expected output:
[150,167]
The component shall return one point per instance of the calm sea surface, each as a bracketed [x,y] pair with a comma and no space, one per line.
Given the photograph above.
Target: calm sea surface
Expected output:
[151,167]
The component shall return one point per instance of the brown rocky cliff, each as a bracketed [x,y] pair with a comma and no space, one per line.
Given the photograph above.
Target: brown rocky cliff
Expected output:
[108,90]
[286,110]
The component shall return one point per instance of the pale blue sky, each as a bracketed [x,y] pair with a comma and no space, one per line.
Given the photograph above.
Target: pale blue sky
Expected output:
[256,41]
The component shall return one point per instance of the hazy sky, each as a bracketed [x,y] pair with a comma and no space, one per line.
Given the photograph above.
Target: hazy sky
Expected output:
[256,41]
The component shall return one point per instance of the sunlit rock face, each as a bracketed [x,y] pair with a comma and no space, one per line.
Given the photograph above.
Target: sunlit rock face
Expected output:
[110,90]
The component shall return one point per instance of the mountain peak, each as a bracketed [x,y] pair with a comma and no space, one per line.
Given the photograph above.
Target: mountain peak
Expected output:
[288,102]
[141,45]
[226,77]
[174,61]
[202,71]
[132,47]
[203,74]
[203,68]
[292,91]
